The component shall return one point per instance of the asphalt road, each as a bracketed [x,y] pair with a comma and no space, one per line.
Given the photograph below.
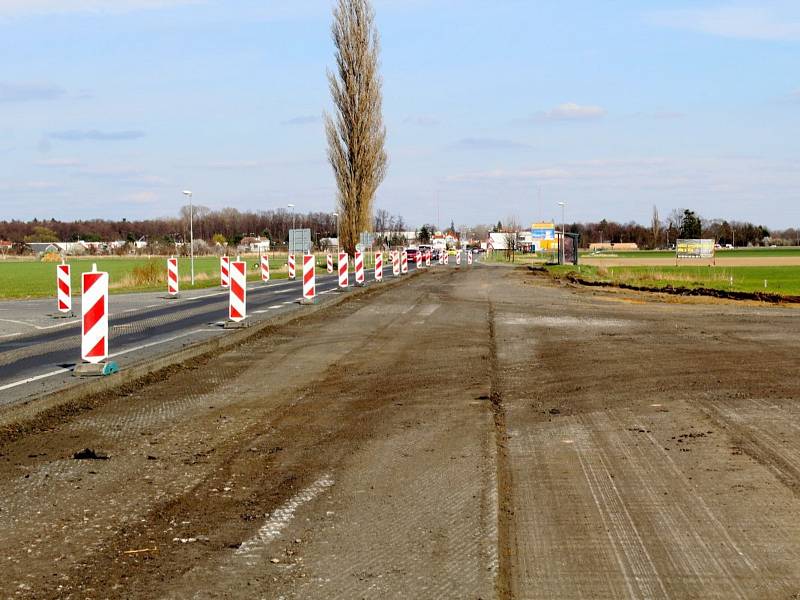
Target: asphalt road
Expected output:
[38,353]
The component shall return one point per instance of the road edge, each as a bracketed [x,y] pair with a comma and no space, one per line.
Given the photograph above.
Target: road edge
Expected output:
[30,415]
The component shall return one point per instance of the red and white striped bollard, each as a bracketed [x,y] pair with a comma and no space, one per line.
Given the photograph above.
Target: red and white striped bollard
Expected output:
[360,279]
[225,272]
[404,262]
[64,285]
[173,286]
[344,274]
[94,314]
[395,263]
[379,266]
[237,298]
[292,267]
[469,257]
[309,279]
[458,258]
[329,259]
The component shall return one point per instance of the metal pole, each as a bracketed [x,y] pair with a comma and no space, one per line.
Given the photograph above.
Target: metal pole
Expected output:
[191,232]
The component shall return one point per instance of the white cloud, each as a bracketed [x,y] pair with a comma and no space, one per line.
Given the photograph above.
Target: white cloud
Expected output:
[21,8]
[488,144]
[29,92]
[574,112]
[569,111]
[763,20]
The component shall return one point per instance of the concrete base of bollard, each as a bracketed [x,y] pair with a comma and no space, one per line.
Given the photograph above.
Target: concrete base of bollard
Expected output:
[98,370]
[168,297]
[236,325]
[307,302]
[60,315]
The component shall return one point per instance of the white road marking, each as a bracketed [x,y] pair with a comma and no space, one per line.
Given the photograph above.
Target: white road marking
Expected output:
[14,384]
[281,517]
[8,386]
[42,327]
[9,335]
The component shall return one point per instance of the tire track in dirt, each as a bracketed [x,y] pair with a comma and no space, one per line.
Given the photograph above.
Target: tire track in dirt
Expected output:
[754,432]
[507,545]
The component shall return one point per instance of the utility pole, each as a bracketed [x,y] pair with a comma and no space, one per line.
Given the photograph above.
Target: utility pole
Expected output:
[191,232]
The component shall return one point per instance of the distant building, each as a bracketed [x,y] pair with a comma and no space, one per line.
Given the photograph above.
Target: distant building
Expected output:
[254,244]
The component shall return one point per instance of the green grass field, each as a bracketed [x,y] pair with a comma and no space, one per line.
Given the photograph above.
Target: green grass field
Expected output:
[779,280]
[666,254]
[34,279]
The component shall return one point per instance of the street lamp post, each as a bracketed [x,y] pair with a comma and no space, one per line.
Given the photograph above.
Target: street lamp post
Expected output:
[291,250]
[188,193]
[563,257]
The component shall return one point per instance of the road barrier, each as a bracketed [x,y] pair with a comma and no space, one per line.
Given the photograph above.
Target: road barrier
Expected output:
[94,325]
[237,298]
[447,258]
[225,272]
[395,256]
[329,258]
[469,257]
[309,279]
[404,262]
[458,258]
[441,257]
[173,286]
[360,279]
[428,258]
[265,268]
[418,259]
[379,266]
[292,267]
[344,275]
[64,291]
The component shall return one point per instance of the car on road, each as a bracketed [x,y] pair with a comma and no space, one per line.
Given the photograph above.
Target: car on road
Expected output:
[412,254]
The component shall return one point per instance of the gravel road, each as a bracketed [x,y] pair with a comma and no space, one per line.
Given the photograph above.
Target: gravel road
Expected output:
[475,433]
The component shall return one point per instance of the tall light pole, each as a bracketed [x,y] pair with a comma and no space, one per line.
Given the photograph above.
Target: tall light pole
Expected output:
[563,206]
[188,193]
[291,250]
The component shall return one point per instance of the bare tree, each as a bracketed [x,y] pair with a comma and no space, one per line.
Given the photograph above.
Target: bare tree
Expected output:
[656,227]
[356,134]
[512,238]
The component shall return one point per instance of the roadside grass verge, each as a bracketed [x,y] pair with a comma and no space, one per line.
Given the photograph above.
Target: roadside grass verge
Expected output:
[34,279]
[775,280]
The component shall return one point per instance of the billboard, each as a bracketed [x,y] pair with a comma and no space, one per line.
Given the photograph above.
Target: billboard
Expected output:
[544,236]
[694,248]
[543,231]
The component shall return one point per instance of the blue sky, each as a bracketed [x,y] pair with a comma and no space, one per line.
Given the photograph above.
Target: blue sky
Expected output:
[495,109]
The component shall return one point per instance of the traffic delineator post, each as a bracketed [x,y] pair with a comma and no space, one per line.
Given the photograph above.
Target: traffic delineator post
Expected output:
[309,279]
[360,279]
[224,272]
[404,262]
[292,267]
[458,258]
[379,266]
[94,326]
[428,258]
[469,257]
[63,291]
[237,296]
[173,284]
[329,261]
[395,263]
[344,274]
[418,259]
[265,268]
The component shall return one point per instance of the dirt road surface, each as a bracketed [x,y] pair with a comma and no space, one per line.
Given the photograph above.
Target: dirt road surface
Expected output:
[478,433]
